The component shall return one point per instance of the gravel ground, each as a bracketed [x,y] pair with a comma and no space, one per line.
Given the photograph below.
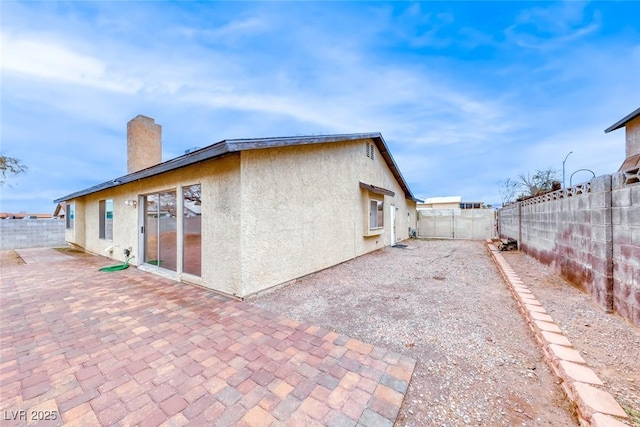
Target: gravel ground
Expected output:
[444,304]
[608,343]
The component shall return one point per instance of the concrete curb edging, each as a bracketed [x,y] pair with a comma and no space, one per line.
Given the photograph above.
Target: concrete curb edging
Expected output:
[595,407]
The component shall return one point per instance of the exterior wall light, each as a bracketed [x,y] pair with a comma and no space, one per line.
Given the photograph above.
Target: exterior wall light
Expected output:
[130,203]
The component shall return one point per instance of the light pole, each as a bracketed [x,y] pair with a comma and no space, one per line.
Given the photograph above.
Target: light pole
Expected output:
[563,162]
[571,177]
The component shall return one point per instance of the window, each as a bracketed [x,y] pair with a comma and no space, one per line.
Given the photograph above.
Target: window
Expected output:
[376,214]
[106,219]
[473,205]
[71,213]
[373,208]
[192,230]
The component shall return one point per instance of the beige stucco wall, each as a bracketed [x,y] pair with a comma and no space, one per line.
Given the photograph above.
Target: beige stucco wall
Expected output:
[220,180]
[268,215]
[303,210]
[77,234]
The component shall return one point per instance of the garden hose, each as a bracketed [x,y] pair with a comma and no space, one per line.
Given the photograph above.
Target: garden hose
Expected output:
[116,267]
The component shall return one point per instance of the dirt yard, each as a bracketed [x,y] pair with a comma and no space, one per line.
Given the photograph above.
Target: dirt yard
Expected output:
[608,343]
[445,304]
[9,258]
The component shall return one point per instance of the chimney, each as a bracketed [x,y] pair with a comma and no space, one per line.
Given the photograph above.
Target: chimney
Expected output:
[144,144]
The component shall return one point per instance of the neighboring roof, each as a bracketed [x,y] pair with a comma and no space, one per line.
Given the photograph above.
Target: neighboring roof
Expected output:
[439,200]
[5,215]
[620,123]
[60,209]
[236,145]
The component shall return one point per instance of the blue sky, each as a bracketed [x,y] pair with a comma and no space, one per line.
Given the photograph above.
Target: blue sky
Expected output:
[465,93]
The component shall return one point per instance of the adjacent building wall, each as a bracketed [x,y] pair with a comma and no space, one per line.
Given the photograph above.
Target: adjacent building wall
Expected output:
[632,137]
[590,234]
[31,233]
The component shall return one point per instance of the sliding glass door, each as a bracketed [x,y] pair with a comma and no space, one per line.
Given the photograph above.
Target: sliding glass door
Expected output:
[160,230]
[192,230]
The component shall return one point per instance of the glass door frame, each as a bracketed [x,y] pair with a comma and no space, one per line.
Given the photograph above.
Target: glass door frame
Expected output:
[142,232]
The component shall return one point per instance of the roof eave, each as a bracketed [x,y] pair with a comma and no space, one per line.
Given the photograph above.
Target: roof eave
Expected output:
[622,122]
[382,147]
[235,145]
[216,150]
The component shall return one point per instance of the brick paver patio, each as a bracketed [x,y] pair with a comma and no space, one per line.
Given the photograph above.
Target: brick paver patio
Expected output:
[132,348]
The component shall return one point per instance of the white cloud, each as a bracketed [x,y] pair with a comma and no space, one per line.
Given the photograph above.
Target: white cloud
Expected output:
[36,57]
[459,106]
[553,26]
[229,32]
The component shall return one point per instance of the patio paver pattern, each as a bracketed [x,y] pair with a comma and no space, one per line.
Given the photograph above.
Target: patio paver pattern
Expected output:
[132,348]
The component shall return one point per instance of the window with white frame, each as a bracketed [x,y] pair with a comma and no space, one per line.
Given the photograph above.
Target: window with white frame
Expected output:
[106,219]
[70,217]
[373,208]
[376,214]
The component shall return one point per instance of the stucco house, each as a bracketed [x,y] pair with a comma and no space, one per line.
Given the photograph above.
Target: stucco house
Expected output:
[631,123]
[241,216]
[448,202]
[59,211]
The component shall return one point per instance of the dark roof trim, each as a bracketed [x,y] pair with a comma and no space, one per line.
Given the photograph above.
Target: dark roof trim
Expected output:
[224,147]
[377,190]
[382,147]
[623,121]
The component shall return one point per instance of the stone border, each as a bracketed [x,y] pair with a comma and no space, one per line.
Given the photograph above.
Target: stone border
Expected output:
[595,407]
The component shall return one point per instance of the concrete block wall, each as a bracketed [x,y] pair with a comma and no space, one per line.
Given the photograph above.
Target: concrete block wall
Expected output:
[31,233]
[600,243]
[625,218]
[557,231]
[509,221]
[589,234]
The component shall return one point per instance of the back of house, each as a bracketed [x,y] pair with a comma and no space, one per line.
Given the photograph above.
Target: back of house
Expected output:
[241,216]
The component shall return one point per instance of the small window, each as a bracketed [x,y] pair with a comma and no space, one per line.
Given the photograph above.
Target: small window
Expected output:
[376,214]
[106,219]
[71,213]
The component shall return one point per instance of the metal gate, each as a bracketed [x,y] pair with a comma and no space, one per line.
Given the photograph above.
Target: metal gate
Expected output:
[473,224]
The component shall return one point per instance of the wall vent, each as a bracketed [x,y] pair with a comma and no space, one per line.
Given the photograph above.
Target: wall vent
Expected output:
[370,151]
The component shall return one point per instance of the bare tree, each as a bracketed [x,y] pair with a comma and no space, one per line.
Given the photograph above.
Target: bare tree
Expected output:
[541,181]
[508,189]
[10,166]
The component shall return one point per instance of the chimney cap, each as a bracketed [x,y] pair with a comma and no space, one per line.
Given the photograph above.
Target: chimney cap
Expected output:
[143,118]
